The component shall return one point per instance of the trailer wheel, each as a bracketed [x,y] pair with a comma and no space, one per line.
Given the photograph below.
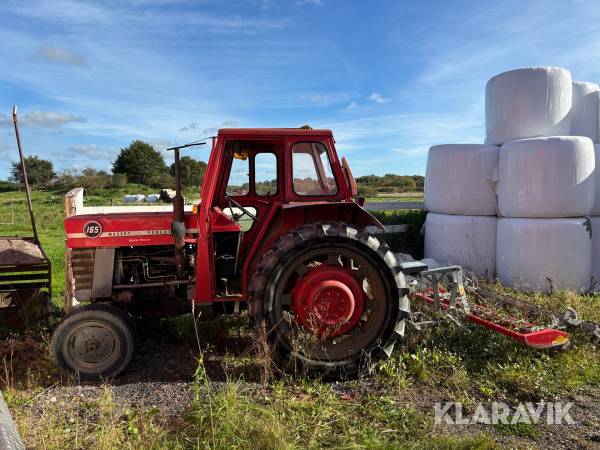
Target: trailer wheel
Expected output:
[332,298]
[94,342]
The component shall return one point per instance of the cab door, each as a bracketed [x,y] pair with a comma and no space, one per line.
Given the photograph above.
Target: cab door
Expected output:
[249,191]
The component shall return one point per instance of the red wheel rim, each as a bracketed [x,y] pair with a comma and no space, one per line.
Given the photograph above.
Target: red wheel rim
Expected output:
[328,300]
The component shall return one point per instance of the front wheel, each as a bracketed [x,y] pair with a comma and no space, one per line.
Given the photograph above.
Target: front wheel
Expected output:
[94,342]
[331,297]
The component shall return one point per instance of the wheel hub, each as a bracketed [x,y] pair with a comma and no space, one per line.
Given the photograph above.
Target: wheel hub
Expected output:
[328,300]
[93,344]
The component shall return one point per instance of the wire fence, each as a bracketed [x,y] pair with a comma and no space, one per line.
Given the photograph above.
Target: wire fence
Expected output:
[7,213]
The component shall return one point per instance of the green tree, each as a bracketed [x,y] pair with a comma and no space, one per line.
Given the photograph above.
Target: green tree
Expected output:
[39,171]
[93,180]
[140,162]
[420,181]
[192,171]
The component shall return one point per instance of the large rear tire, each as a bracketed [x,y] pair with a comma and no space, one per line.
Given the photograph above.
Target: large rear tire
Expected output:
[332,298]
[94,342]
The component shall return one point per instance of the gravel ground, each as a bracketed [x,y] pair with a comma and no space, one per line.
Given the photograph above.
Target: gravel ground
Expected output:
[172,398]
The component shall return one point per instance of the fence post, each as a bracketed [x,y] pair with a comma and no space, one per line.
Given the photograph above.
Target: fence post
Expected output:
[73,201]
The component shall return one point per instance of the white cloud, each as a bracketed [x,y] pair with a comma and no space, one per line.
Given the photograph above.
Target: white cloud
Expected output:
[351,105]
[61,11]
[210,130]
[147,15]
[191,126]
[267,4]
[378,98]
[91,151]
[60,55]
[42,119]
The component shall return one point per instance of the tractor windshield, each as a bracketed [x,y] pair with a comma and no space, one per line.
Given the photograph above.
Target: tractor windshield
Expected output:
[312,170]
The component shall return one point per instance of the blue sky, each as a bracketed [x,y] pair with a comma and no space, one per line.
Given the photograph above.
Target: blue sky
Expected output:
[391,78]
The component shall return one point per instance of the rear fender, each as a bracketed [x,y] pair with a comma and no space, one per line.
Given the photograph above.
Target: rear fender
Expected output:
[290,216]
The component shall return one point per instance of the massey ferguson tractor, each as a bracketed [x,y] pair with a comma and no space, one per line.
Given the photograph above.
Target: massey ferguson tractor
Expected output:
[277,232]
[280,232]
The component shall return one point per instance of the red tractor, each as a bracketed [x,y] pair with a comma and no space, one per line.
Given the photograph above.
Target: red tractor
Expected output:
[277,231]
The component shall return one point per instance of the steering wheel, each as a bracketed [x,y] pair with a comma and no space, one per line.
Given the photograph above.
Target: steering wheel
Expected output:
[235,217]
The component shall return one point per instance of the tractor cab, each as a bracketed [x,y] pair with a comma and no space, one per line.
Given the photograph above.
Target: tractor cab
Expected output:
[255,176]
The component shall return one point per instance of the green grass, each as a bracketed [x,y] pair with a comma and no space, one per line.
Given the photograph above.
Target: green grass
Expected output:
[236,416]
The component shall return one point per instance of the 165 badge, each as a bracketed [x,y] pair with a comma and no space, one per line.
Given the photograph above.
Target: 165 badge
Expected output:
[92,229]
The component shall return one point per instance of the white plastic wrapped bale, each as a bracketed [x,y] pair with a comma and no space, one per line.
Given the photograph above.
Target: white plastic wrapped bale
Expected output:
[469,241]
[547,177]
[585,110]
[537,254]
[526,103]
[152,198]
[595,221]
[596,208]
[459,177]
[133,198]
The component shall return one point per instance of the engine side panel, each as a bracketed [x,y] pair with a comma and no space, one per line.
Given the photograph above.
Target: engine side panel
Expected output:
[124,230]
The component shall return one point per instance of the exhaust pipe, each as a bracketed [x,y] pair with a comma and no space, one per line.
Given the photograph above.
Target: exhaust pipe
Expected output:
[178,222]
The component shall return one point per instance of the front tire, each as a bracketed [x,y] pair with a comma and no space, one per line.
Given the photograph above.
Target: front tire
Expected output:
[94,342]
[332,298]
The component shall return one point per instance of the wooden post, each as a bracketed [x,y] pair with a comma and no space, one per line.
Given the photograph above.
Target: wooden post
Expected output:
[73,201]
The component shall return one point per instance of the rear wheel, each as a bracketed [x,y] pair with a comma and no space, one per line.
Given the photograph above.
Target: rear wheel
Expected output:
[331,298]
[94,342]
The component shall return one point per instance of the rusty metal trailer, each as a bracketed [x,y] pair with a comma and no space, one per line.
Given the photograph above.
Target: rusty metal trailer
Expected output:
[25,271]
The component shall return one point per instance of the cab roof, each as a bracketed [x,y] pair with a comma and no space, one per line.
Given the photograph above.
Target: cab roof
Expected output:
[273,132]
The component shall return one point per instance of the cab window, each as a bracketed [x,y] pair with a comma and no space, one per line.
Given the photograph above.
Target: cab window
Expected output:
[311,168]
[238,183]
[265,174]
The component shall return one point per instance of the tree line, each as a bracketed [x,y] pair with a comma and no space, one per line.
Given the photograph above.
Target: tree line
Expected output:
[138,163]
[371,185]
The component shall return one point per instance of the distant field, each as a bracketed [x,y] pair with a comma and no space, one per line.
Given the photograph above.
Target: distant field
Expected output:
[399,197]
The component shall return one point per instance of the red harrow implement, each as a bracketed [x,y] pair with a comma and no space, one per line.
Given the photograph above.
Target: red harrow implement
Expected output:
[443,289]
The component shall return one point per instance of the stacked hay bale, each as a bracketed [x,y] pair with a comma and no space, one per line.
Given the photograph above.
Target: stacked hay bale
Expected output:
[460,195]
[545,126]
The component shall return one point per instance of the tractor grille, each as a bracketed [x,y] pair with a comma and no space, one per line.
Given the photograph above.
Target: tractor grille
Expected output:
[82,263]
